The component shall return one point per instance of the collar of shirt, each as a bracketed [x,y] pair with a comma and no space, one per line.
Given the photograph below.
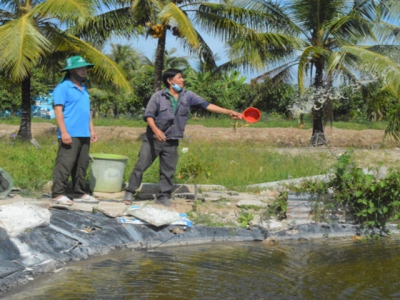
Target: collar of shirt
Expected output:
[174,101]
[72,85]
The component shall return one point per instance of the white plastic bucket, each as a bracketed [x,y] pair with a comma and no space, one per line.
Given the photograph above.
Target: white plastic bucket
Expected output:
[107,172]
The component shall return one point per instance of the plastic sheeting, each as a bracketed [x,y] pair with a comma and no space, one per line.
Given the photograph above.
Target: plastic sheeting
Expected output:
[18,217]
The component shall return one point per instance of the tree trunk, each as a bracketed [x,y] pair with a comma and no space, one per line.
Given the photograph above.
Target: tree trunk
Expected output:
[25,132]
[318,136]
[159,63]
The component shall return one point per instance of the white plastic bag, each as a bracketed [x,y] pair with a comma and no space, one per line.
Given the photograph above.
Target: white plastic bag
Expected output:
[18,217]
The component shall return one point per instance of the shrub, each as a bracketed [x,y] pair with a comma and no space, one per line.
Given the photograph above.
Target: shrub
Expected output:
[373,201]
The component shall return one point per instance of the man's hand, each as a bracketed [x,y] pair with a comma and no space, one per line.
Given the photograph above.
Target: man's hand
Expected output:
[66,138]
[159,135]
[235,115]
[93,137]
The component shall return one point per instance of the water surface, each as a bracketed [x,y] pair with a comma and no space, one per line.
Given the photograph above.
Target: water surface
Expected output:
[325,269]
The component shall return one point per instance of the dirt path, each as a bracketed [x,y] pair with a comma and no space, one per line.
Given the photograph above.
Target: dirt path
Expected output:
[279,137]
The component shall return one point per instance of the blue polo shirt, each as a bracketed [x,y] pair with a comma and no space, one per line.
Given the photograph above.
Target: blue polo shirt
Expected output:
[76,108]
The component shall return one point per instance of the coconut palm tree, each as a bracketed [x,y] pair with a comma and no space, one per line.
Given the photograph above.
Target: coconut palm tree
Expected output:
[33,30]
[170,61]
[338,38]
[182,19]
[129,59]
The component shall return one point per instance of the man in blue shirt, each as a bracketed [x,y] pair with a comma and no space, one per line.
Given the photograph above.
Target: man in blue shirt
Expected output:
[166,115]
[75,132]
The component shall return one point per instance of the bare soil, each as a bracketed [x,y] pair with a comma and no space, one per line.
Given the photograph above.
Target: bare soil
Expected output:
[279,137]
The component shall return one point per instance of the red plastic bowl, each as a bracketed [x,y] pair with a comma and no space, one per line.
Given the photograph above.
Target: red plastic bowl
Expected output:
[251,115]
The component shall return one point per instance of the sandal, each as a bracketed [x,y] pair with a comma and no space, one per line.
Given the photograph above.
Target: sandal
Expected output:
[86,199]
[63,200]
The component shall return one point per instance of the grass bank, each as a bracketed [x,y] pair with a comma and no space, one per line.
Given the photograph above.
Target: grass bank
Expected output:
[232,165]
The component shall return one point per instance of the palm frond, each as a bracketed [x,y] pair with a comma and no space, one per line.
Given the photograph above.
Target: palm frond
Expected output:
[70,11]
[378,64]
[275,12]
[252,18]
[145,10]
[283,73]
[104,67]
[335,61]
[306,56]
[387,33]
[260,49]
[391,51]
[223,27]
[350,27]
[61,40]
[173,14]
[312,14]
[21,45]
[118,22]
[388,9]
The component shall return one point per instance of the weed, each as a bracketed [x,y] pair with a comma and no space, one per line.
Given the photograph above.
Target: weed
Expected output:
[244,218]
[278,207]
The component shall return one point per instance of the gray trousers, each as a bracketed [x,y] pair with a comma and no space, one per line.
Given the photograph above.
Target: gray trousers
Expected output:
[149,151]
[72,160]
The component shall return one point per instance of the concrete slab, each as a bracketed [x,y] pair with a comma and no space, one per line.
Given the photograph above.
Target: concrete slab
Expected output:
[86,207]
[154,216]
[112,209]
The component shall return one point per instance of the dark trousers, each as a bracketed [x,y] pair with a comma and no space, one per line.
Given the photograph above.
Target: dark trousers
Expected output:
[149,151]
[72,160]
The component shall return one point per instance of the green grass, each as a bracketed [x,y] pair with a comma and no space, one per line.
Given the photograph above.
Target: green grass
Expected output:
[231,165]
[238,165]
[361,125]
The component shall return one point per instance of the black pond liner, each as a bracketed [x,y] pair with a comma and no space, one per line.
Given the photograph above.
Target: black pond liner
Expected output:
[74,236]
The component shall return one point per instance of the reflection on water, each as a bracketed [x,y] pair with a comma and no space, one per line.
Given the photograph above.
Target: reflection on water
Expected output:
[329,269]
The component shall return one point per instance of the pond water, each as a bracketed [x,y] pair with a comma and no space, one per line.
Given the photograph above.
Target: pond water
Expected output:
[325,269]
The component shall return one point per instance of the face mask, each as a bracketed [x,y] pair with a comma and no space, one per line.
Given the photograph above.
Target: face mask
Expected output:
[176,87]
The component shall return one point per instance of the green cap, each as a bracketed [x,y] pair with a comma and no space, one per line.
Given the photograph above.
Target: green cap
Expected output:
[75,62]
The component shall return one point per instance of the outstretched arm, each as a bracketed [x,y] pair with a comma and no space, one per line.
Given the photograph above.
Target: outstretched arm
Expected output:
[219,110]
